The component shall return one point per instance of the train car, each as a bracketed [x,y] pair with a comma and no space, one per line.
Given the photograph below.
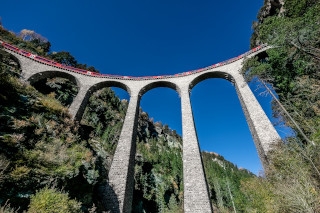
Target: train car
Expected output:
[155,77]
[240,56]
[9,46]
[146,77]
[25,53]
[200,70]
[58,64]
[44,60]
[95,73]
[80,70]
[105,75]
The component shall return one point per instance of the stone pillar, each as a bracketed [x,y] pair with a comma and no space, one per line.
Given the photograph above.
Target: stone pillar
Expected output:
[121,174]
[262,130]
[79,103]
[196,195]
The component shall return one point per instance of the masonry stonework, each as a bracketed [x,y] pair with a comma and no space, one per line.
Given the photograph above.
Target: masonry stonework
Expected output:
[196,196]
[121,181]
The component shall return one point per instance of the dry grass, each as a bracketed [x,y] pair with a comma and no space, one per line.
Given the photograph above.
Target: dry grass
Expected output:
[53,105]
[4,163]
[7,209]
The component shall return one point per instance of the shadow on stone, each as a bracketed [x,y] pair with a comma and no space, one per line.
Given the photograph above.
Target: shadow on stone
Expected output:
[108,198]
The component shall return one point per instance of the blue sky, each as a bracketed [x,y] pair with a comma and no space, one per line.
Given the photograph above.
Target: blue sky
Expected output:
[144,38]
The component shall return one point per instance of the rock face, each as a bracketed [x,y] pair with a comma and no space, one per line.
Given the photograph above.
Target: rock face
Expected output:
[271,8]
[147,129]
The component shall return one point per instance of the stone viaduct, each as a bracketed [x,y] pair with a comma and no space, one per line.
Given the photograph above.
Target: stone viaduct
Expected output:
[121,181]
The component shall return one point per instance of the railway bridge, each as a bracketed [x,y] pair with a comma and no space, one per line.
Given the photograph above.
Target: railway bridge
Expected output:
[121,182]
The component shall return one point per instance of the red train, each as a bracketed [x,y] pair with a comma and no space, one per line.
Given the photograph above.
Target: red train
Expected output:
[86,72]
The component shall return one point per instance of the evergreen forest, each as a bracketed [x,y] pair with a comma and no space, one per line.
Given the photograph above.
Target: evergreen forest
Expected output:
[49,163]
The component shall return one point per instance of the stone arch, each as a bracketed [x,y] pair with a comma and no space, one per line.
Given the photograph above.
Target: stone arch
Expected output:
[70,88]
[88,91]
[261,128]
[156,84]
[109,83]
[15,59]
[52,74]
[213,74]
[146,90]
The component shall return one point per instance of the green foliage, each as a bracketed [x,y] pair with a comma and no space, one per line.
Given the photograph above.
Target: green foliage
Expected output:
[224,180]
[49,200]
[299,191]
[259,195]
[173,206]
[291,184]
[297,8]
[60,89]
[105,113]
[42,46]
[158,169]
[64,57]
[39,141]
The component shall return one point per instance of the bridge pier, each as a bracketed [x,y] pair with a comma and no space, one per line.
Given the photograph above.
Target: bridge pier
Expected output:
[121,174]
[196,195]
[79,103]
[263,132]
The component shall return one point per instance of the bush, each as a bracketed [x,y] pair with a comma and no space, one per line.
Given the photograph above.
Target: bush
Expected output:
[49,200]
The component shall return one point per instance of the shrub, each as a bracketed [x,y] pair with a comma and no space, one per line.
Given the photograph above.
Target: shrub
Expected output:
[50,200]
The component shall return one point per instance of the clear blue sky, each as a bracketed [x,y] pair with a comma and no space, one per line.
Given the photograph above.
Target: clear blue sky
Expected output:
[143,38]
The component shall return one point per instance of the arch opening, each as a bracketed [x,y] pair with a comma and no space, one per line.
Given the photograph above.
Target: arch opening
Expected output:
[81,102]
[208,75]
[223,134]
[52,74]
[103,116]
[158,168]
[62,86]
[61,89]
[157,84]
[15,62]
[10,61]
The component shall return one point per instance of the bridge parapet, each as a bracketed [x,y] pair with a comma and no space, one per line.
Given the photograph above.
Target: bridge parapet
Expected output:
[49,62]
